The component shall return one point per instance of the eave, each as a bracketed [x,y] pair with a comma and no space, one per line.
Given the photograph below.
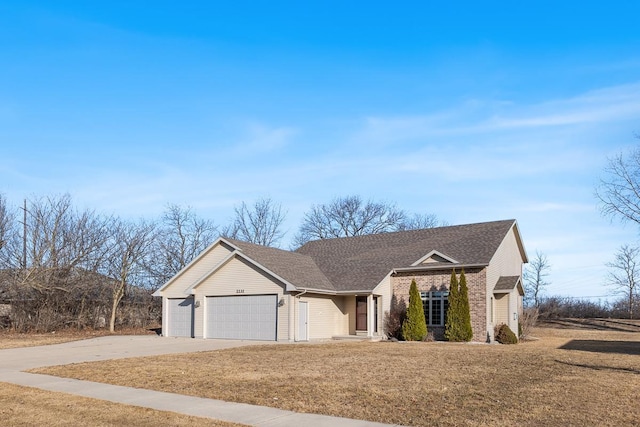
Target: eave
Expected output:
[440,267]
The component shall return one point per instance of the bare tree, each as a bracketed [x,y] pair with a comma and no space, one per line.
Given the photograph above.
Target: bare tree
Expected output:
[64,249]
[79,263]
[352,216]
[61,239]
[6,227]
[61,236]
[260,224]
[4,221]
[182,236]
[420,221]
[535,278]
[619,191]
[623,274]
[131,243]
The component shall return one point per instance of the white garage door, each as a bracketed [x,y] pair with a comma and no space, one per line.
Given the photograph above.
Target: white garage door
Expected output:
[180,317]
[246,317]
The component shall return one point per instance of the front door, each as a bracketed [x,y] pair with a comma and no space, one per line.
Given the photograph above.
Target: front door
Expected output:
[303,321]
[375,308]
[361,313]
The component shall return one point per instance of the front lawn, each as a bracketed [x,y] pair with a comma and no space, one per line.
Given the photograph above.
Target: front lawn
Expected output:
[25,406]
[567,377]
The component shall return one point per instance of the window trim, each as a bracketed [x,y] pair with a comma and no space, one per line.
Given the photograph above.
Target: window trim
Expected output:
[428,298]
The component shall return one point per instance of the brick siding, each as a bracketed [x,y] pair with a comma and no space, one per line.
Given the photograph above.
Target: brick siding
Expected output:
[439,281]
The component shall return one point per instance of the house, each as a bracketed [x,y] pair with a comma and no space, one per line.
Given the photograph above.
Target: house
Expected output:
[343,286]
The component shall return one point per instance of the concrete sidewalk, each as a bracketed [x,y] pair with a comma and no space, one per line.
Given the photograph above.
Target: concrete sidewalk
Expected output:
[14,361]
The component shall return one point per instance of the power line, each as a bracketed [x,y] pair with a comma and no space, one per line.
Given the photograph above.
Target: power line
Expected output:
[585,297]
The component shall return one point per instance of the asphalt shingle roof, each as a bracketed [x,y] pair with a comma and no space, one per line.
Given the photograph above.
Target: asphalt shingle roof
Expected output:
[506,283]
[361,262]
[298,269]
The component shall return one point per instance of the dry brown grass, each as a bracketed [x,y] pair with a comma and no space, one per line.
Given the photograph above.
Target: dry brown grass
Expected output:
[25,406]
[567,377]
[10,339]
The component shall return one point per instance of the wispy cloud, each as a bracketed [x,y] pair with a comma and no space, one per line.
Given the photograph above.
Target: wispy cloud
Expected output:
[613,103]
[556,207]
[476,116]
[261,139]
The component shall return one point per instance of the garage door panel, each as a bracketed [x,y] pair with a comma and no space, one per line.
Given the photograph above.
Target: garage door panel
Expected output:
[248,317]
[180,313]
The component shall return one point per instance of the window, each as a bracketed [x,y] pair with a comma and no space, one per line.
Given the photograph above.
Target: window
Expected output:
[435,305]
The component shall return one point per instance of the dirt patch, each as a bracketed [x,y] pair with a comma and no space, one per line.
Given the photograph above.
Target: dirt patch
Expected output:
[25,406]
[530,384]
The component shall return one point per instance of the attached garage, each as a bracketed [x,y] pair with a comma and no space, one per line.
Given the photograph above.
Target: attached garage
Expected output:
[180,314]
[242,317]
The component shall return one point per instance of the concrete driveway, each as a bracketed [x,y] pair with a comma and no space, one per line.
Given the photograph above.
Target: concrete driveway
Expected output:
[16,360]
[109,347]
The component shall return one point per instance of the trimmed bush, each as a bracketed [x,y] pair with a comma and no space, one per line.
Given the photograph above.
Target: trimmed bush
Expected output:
[504,335]
[414,327]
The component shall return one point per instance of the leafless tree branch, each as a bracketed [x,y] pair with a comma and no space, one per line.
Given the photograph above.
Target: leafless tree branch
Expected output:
[352,216]
[260,223]
[619,191]
[535,278]
[622,275]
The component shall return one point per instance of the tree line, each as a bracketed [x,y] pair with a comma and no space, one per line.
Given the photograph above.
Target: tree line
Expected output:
[62,266]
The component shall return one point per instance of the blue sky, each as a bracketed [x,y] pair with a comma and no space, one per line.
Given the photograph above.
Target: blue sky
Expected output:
[474,111]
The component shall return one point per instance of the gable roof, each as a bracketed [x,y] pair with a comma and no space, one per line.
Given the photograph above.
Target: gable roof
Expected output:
[506,284]
[361,262]
[296,268]
[434,257]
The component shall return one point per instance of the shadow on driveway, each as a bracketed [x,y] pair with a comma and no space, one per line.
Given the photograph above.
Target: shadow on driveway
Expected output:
[600,367]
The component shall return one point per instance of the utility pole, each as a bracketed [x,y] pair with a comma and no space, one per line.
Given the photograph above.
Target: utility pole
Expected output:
[24,235]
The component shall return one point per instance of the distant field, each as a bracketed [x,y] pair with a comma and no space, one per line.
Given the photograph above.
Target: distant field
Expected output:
[576,373]
[613,325]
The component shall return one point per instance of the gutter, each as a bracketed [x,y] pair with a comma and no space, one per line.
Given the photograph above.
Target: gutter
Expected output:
[327,292]
[436,267]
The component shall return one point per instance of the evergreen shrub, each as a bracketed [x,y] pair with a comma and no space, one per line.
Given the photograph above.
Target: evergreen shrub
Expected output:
[504,335]
[452,322]
[414,327]
[466,332]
